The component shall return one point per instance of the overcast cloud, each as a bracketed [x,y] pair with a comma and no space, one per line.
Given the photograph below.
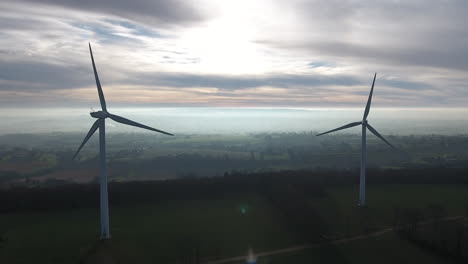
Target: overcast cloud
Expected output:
[297,53]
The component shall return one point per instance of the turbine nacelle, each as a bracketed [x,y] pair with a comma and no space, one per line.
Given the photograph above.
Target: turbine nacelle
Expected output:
[99,114]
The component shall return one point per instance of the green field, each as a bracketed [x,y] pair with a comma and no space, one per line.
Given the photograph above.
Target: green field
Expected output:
[384,249]
[159,233]
[337,211]
[149,232]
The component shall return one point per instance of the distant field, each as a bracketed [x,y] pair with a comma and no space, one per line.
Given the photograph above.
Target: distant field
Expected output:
[23,167]
[72,175]
[32,158]
[159,233]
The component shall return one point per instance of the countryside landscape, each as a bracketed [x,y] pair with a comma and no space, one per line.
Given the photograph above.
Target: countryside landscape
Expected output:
[210,132]
[267,192]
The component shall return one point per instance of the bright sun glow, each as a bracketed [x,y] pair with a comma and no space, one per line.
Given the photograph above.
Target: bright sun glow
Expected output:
[226,44]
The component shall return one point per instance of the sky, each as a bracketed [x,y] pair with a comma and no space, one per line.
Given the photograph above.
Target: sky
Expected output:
[243,53]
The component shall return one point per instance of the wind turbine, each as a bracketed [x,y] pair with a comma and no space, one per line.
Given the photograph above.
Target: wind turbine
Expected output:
[365,125]
[100,123]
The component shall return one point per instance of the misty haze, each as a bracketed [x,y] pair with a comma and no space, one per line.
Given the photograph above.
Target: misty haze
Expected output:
[397,121]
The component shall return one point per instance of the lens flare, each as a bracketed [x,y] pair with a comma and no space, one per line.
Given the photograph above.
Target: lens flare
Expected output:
[251,257]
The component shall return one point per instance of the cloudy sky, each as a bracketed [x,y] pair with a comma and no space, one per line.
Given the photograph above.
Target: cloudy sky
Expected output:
[262,53]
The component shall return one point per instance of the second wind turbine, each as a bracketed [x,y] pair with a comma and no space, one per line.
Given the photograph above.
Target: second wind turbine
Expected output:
[100,123]
[365,125]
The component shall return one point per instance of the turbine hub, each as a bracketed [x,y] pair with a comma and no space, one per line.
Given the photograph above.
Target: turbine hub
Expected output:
[99,114]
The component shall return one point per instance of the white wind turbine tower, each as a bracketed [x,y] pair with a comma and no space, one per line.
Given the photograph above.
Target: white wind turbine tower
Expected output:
[100,123]
[365,125]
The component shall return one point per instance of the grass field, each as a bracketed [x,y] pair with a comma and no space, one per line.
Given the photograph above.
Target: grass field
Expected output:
[385,249]
[150,232]
[158,233]
[344,219]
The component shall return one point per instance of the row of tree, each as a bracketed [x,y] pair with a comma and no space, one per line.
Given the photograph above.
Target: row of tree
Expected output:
[72,196]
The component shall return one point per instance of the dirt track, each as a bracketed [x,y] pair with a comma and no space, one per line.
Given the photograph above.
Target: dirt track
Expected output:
[330,242]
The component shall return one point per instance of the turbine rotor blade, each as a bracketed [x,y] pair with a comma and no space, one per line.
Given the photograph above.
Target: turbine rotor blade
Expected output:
[125,121]
[93,129]
[342,127]
[378,135]
[366,112]
[98,83]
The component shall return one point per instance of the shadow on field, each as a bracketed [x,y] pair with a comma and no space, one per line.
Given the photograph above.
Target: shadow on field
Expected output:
[111,252]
